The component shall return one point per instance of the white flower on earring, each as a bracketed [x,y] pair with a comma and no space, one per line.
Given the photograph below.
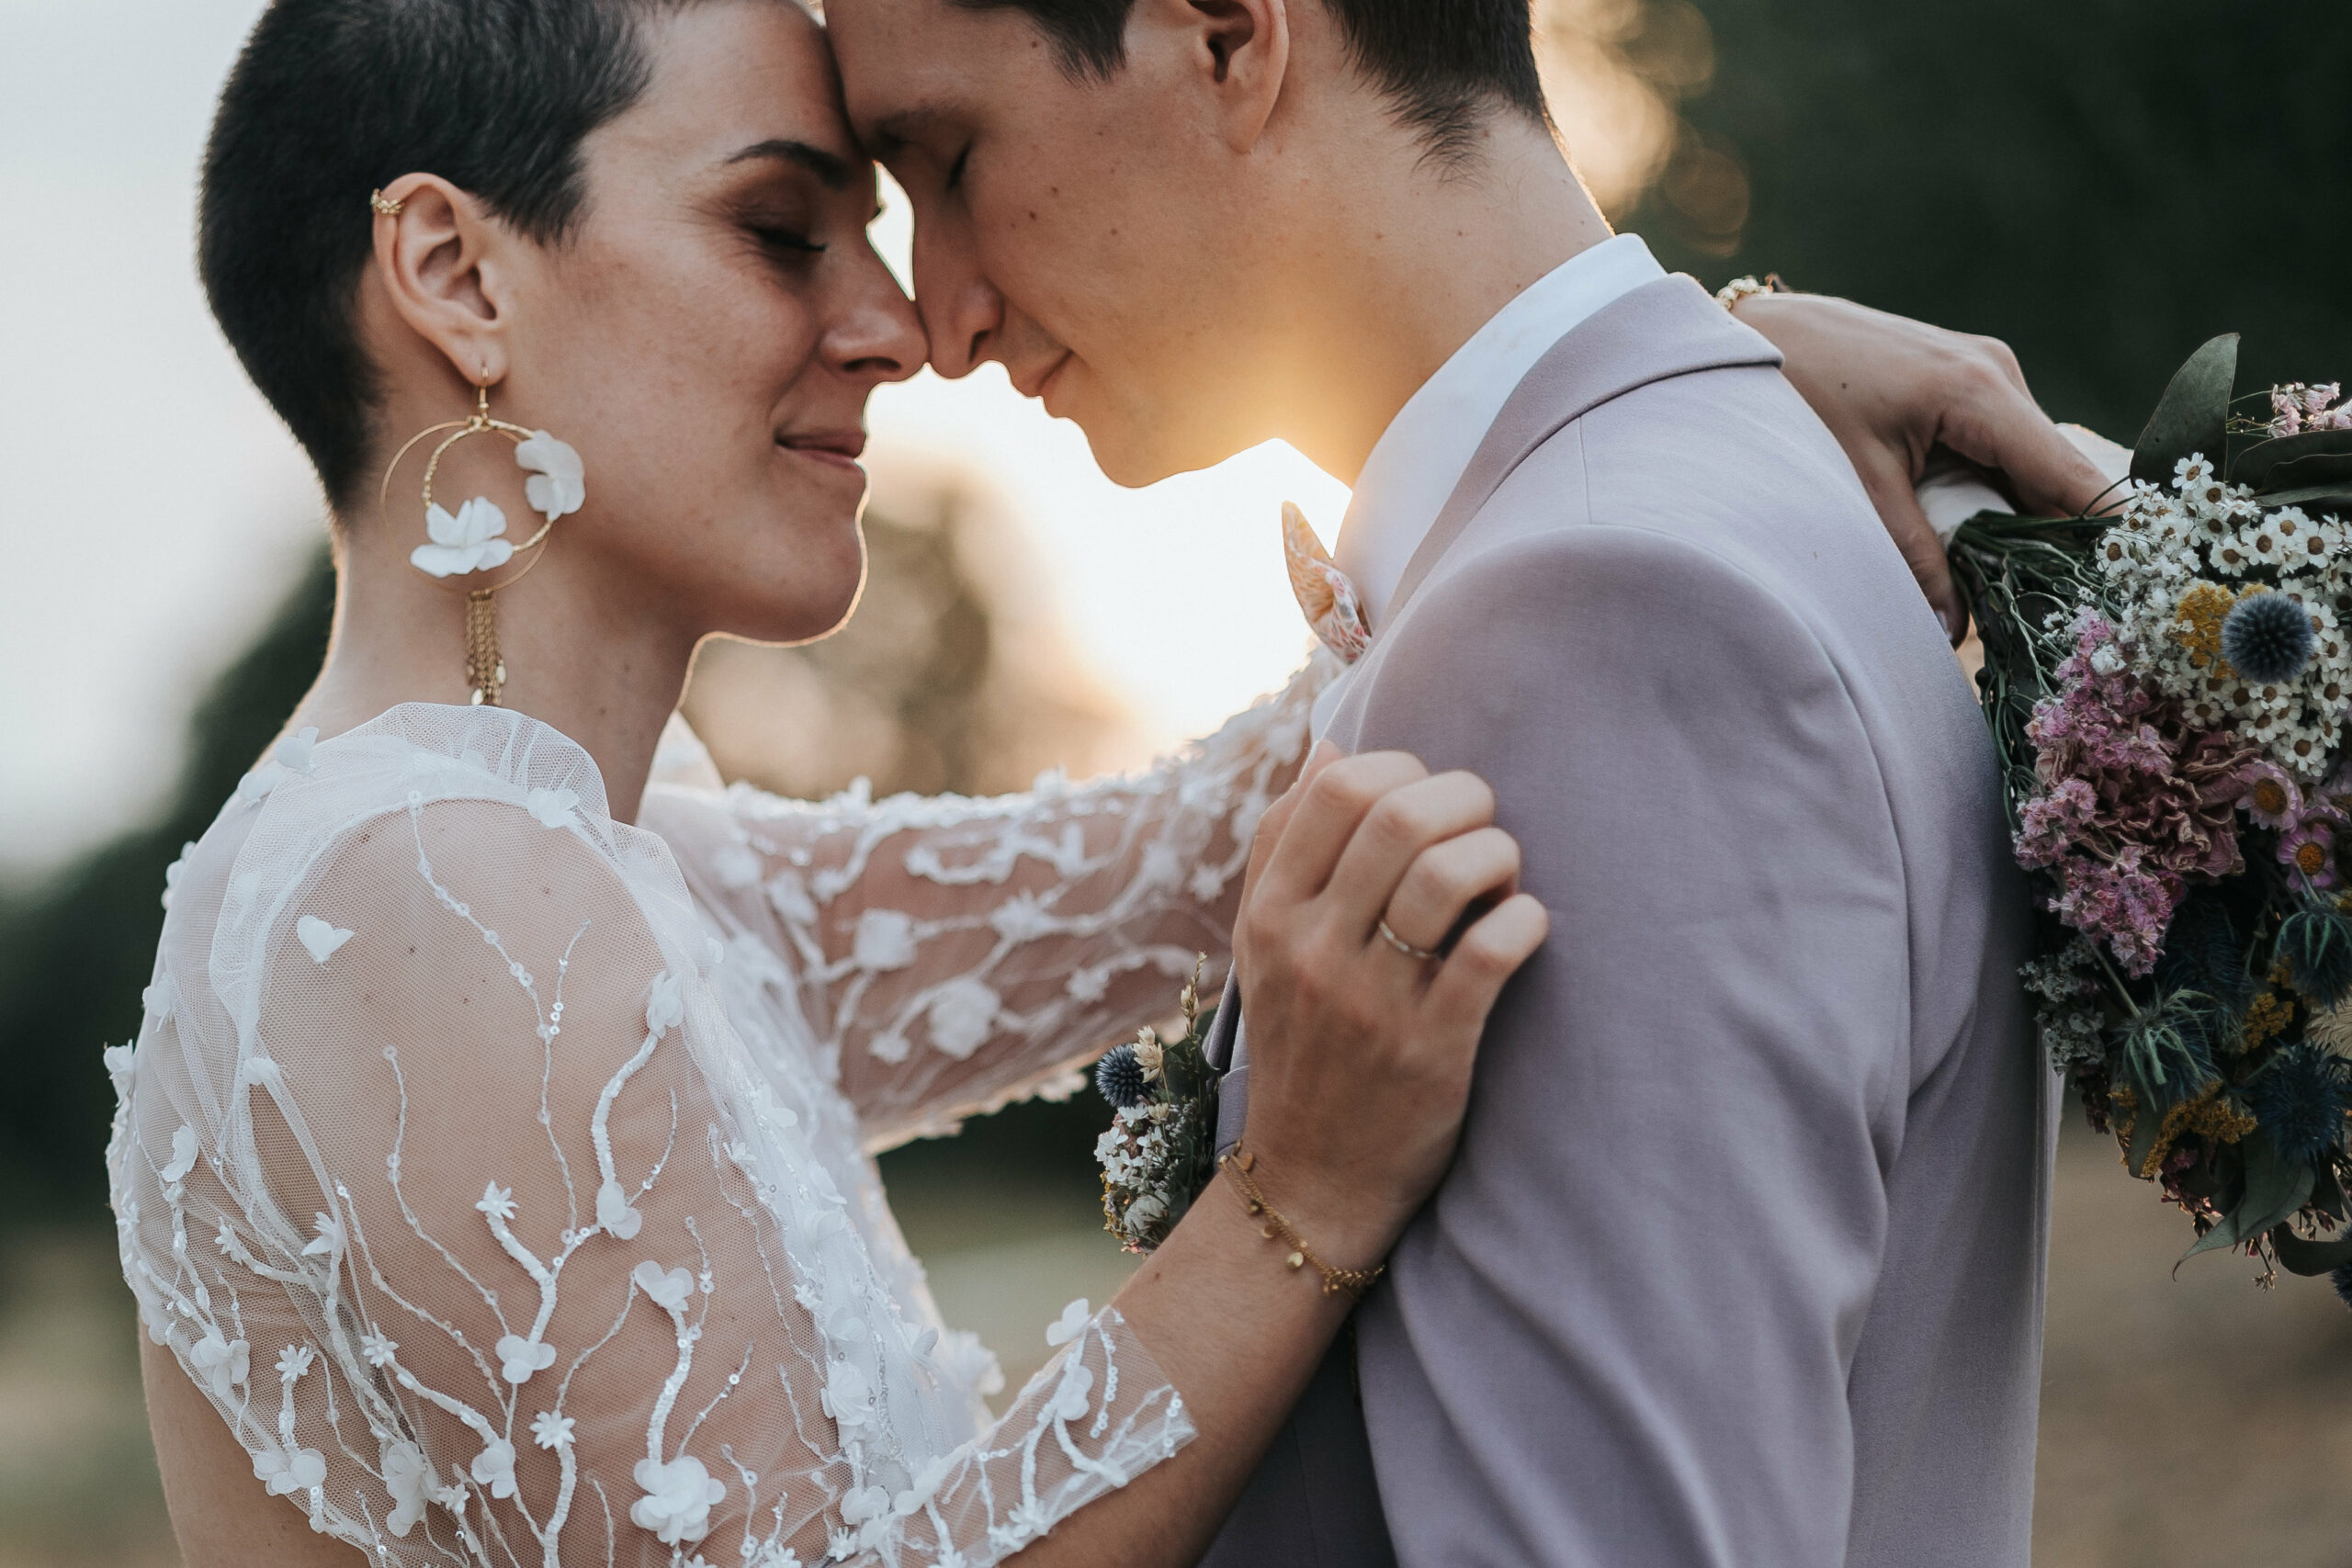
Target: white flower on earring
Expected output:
[559,484]
[468,542]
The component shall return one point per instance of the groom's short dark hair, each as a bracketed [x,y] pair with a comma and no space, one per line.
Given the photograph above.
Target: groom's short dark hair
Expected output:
[1443,63]
[331,98]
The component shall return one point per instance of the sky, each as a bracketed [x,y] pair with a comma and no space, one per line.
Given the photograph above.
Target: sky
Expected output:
[152,510]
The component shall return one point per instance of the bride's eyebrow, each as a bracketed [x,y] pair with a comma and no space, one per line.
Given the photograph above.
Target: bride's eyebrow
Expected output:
[831,168]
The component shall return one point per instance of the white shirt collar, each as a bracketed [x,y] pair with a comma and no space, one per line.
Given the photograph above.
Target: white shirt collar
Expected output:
[1427,447]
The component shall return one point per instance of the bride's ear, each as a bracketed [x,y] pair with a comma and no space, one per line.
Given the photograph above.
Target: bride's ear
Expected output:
[443,264]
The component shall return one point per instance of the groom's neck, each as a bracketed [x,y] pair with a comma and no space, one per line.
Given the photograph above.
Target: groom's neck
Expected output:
[1408,257]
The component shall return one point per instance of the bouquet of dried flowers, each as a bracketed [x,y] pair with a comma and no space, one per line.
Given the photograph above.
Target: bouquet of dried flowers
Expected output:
[2167,689]
[1159,1152]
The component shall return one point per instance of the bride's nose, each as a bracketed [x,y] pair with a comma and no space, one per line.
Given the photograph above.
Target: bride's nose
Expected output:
[876,333]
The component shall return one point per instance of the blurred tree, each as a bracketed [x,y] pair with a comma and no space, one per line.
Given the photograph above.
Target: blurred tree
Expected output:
[76,954]
[2103,183]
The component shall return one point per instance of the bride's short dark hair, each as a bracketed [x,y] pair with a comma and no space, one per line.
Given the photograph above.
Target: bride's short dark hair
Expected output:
[333,98]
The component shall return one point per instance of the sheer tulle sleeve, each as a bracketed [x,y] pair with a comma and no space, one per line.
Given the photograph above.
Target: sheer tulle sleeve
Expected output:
[941,955]
[442,1171]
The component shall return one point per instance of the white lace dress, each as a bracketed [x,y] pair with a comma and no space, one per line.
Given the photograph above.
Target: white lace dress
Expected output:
[501,1172]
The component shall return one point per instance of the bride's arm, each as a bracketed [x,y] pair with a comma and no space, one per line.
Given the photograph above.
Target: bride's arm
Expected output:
[951,954]
[481,1238]
[1360,1063]
[469,1218]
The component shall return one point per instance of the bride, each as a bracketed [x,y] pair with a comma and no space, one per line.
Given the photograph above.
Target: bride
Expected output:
[492,1168]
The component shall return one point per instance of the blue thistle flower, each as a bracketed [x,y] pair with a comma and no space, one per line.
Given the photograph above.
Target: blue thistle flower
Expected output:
[1119,1077]
[2267,638]
[2343,1278]
[2301,1101]
[2202,953]
[2316,945]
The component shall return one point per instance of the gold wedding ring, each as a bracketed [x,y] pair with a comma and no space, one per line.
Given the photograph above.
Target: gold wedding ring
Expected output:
[1408,949]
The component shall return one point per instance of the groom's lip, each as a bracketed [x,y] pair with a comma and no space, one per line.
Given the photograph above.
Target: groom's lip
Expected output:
[840,447]
[1035,386]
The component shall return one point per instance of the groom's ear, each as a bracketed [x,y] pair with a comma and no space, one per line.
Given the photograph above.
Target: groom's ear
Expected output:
[1241,50]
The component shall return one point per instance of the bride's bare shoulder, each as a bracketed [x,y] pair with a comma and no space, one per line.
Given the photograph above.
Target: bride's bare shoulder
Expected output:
[221,1514]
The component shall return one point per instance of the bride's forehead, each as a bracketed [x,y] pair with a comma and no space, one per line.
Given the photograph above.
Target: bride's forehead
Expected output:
[730,76]
[739,53]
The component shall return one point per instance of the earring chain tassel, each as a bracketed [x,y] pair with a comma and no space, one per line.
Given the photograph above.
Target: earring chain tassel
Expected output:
[485,669]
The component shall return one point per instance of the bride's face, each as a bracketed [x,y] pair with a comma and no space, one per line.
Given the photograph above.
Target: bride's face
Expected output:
[708,335]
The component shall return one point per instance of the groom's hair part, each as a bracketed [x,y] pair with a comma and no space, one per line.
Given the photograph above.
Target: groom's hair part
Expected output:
[1443,65]
[334,98]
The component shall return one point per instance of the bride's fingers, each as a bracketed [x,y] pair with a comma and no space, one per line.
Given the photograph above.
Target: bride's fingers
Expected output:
[1325,819]
[1887,478]
[1447,880]
[1395,834]
[1489,954]
[1278,814]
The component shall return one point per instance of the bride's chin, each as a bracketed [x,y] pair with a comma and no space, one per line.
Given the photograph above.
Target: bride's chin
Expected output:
[802,609]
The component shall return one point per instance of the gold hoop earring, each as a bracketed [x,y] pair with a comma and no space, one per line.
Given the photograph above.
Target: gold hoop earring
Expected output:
[472,539]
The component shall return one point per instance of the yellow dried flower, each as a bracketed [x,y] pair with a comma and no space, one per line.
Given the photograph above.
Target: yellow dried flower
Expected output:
[2197,626]
[2209,1115]
[2269,1015]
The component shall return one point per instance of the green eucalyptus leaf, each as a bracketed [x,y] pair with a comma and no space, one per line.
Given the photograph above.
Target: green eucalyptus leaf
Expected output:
[2194,415]
[2144,1127]
[2336,494]
[2298,1256]
[2317,456]
[2274,1190]
[2328,1194]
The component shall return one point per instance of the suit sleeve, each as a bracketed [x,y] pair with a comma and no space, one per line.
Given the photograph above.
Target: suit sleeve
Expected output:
[1622,1332]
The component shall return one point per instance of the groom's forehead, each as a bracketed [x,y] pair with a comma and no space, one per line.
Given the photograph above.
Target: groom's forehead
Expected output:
[903,59]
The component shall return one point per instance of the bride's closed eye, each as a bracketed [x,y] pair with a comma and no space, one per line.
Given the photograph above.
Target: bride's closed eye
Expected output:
[784,241]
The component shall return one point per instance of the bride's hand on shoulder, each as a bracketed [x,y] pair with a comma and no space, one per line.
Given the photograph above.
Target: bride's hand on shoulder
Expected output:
[1892,389]
[1360,1052]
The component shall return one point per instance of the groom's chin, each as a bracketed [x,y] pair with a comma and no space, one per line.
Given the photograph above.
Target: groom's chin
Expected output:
[1132,453]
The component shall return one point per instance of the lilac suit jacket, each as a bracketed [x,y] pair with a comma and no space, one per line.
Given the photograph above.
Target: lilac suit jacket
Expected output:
[1741,1261]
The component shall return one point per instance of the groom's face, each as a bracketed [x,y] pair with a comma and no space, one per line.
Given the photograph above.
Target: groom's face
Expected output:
[1086,233]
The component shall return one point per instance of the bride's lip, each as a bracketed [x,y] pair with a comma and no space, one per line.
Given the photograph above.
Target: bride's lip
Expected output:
[841,449]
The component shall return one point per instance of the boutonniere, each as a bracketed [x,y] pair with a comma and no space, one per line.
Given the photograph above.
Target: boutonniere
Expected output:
[1159,1152]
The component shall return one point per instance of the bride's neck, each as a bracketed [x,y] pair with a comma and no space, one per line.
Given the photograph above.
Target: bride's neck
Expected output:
[592,657]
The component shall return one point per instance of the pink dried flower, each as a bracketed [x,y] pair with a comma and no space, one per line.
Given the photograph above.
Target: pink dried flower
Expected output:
[2296,408]
[2133,802]
[2272,797]
[2310,850]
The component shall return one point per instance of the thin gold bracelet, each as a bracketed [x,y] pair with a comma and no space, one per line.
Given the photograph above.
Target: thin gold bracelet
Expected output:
[1730,295]
[1354,1281]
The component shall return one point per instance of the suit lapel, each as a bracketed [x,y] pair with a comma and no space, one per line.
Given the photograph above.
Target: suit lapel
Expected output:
[1664,328]
[1660,330]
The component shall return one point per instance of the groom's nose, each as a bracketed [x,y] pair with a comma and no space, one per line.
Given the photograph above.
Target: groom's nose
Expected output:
[962,312]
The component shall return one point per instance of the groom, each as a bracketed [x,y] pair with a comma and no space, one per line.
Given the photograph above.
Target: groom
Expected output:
[1741,1261]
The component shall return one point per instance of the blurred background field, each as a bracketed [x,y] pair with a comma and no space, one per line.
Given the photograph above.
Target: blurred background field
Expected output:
[2103,183]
